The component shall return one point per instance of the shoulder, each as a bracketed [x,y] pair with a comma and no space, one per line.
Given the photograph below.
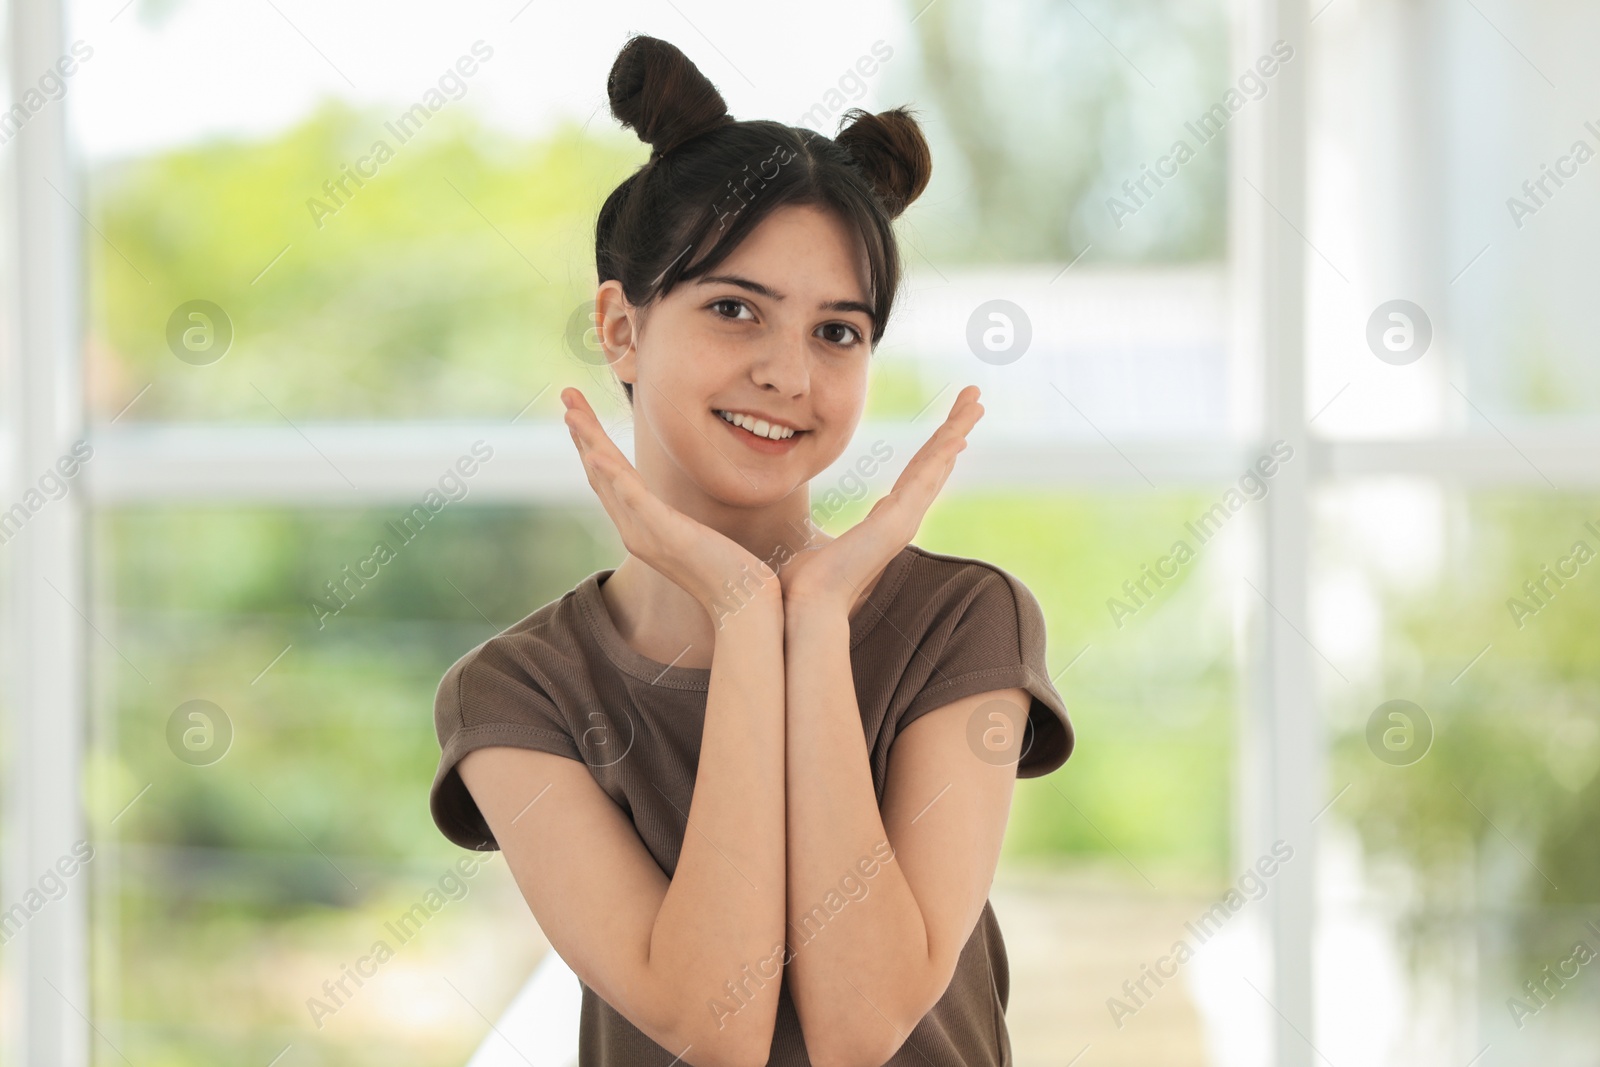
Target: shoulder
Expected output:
[981,629]
[502,692]
[946,582]
[505,674]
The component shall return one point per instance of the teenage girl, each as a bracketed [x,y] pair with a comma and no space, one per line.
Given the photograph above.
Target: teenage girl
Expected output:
[753,781]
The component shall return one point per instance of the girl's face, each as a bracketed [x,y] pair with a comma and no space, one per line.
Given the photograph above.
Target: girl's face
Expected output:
[781,330]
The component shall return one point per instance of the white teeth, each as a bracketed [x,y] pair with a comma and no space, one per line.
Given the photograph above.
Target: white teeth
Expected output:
[759,427]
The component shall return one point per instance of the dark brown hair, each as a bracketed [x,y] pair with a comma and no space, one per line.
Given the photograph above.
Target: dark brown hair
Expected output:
[706,184]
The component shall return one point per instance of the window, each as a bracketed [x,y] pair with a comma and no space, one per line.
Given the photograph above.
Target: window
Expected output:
[1279,316]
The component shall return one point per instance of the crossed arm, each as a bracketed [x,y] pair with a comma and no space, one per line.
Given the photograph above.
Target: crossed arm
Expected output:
[658,950]
[785,784]
[666,953]
[862,978]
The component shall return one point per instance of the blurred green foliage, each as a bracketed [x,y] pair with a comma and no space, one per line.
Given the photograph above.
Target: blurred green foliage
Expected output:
[1041,110]
[339,732]
[1147,790]
[443,286]
[1496,830]
[319,809]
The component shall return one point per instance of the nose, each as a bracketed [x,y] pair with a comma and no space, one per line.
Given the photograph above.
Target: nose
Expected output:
[783,365]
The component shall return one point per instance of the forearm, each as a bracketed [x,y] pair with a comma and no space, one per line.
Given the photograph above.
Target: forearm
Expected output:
[724,909]
[852,977]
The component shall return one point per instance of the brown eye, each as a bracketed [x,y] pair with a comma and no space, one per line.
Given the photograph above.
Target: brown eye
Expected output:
[727,301]
[853,331]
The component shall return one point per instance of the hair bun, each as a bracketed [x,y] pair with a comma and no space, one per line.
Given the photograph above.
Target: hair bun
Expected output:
[890,148]
[660,94]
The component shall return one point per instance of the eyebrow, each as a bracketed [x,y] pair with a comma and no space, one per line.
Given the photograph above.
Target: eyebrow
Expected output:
[762,290]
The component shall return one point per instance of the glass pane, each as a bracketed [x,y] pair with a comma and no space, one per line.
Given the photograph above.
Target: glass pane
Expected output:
[304,213]
[258,780]
[1106,859]
[1450,152]
[1461,880]
[259,777]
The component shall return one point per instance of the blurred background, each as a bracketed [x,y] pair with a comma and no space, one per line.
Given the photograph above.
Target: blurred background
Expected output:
[1305,288]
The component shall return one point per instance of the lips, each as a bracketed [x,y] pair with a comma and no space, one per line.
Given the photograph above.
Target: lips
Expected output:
[758,421]
[762,444]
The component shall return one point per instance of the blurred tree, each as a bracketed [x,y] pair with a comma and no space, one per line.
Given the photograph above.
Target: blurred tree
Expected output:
[1042,109]
[1501,817]
[441,286]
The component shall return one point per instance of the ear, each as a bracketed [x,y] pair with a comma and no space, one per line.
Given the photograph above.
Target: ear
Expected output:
[616,325]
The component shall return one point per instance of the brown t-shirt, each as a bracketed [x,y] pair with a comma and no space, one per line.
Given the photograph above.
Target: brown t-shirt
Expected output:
[934,629]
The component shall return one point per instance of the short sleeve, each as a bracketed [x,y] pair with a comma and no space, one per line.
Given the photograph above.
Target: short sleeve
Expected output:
[488,697]
[998,642]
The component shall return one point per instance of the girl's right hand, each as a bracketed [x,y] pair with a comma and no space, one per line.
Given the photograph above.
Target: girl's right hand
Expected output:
[696,558]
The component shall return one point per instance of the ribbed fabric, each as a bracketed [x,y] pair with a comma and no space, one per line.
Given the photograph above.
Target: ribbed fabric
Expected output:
[936,628]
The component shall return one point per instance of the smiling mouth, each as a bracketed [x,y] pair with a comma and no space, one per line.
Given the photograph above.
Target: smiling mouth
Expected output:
[757,428]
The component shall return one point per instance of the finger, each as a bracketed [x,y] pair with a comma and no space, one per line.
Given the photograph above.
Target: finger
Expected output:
[585,425]
[934,461]
[964,415]
[895,517]
[611,475]
[587,434]
[899,514]
[967,397]
[646,523]
[600,453]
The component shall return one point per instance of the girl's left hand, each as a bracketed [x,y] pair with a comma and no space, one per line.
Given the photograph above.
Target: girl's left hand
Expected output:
[836,574]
